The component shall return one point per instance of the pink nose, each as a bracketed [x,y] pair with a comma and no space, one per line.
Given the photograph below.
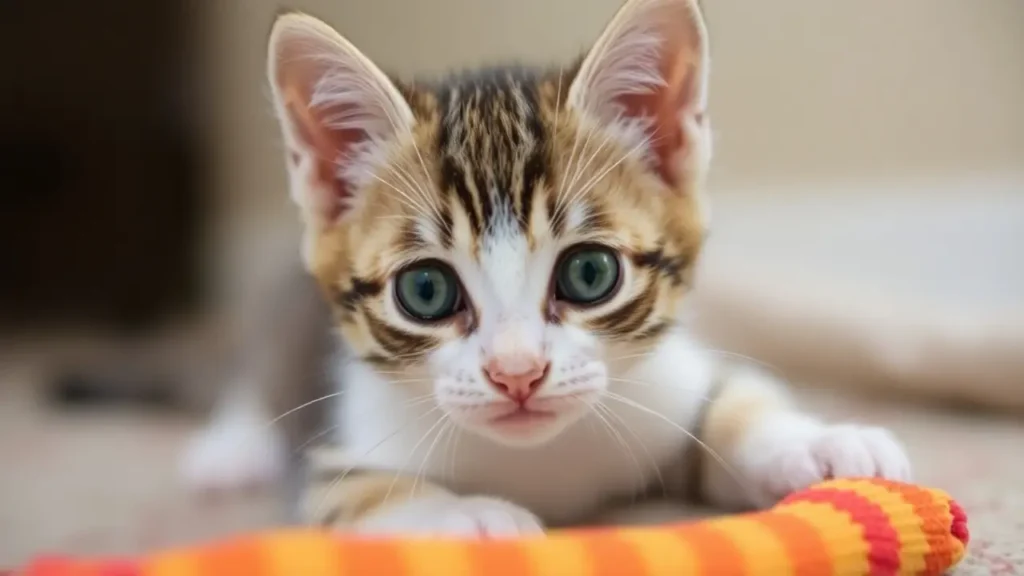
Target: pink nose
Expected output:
[519,384]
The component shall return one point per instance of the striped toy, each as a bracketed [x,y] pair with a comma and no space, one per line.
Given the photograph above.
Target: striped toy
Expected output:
[837,528]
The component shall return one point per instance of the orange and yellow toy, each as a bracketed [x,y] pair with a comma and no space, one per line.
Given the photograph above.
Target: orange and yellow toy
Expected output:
[837,528]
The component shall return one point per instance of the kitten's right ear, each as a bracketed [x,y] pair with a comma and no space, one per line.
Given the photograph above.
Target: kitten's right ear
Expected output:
[337,112]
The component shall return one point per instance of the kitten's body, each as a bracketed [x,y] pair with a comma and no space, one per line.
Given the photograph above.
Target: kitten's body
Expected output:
[507,256]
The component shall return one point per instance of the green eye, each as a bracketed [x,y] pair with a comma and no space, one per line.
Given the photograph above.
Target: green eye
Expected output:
[587,276]
[427,291]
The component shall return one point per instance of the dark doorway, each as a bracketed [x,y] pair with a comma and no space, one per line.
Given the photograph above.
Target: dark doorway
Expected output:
[101,174]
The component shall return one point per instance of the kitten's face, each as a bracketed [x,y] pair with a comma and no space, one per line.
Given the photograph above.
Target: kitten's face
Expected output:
[510,244]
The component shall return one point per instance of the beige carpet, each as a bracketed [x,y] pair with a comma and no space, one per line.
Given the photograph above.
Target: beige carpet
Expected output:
[104,482]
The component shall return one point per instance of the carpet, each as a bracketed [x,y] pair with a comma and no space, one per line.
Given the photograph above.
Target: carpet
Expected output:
[103,480]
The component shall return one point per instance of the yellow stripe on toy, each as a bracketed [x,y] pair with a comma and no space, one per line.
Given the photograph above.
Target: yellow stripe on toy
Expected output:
[837,528]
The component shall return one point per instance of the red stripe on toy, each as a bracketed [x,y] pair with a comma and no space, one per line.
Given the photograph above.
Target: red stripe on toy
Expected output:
[879,533]
[119,568]
[54,566]
[959,527]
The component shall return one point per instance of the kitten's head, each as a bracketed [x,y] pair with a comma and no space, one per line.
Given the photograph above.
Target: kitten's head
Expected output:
[502,236]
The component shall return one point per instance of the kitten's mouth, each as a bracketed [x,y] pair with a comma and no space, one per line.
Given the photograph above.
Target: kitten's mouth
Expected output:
[522,417]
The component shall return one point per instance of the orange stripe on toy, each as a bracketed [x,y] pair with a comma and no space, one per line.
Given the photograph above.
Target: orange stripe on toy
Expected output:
[613,554]
[802,542]
[238,557]
[561,555]
[501,558]
[301,552]
[440,557]
[935,522]
[841,537]
[716,552]
[178,563]
[359,556]
[904,518]
[758,545]
[663,552]
[881,536]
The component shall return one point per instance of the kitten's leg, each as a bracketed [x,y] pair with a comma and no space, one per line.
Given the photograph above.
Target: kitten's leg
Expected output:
[237,448]
[279,368]
[386,503]
[771,449]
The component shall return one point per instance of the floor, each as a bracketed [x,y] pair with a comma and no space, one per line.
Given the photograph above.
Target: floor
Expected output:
[104,481]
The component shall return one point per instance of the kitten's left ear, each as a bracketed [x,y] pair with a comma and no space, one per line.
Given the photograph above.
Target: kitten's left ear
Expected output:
[647,76]
[338,114]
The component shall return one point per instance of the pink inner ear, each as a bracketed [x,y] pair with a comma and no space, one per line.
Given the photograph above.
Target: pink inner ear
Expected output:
[667,137]
[329,146]
[667,106]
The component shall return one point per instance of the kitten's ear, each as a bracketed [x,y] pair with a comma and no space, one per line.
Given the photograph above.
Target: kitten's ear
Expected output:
[646,76]
[337,111]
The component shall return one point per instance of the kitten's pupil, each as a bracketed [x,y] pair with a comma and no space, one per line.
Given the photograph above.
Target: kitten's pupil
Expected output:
[425,287]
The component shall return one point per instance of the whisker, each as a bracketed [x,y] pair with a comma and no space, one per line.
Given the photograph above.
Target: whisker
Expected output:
[718,458]
[401,470]
[344,474]
[423,165]
[580,171]
[586,188]
[774,369]
[457,433]
[568,184]
[568,168]
[410,403]
[305,405]
[654,463]
[655,384]
[408,201]
[412,183]
[558,101]
[430,449]
[622,443]
[335,395]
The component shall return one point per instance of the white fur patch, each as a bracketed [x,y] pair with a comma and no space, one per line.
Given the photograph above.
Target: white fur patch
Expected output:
[237,449]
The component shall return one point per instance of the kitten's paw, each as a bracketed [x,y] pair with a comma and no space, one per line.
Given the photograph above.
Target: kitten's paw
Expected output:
[837,451]
[473,517]
[233,453]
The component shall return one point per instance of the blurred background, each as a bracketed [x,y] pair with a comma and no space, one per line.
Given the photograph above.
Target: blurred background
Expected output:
[868,228]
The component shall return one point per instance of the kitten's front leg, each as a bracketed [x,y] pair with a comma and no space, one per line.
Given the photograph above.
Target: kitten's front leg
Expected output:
[770,449]
[383,503]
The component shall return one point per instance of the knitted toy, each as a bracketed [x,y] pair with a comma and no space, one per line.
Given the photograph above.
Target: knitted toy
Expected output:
[837,528]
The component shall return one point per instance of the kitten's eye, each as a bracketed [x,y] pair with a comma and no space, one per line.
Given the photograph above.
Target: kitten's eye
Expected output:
[428,291]
[587,275]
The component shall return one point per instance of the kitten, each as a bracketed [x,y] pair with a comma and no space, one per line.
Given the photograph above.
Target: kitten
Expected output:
[506,254]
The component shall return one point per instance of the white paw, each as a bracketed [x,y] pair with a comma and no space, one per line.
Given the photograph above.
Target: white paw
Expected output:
[236,451]
[473,517]
[838,451]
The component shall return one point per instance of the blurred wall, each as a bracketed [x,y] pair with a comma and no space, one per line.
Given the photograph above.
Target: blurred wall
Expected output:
[802,89]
